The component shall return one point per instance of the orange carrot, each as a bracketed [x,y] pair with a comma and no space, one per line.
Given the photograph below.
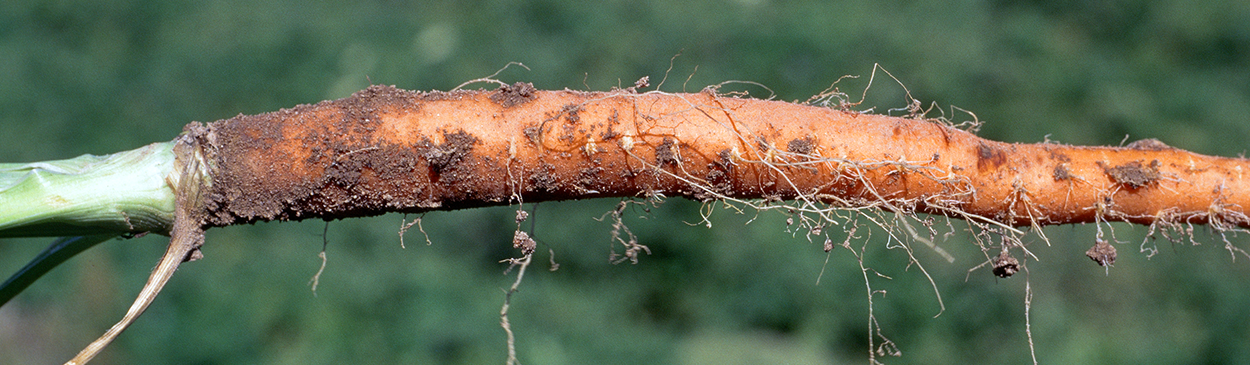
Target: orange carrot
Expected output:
[388,150]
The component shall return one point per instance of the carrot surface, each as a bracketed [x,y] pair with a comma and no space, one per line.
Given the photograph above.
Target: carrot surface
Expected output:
[390,150]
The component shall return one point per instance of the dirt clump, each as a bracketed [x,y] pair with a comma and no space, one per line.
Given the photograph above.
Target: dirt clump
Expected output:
[1005,266]
[802,146]
[515,94]
[666,152]
[1149,144]
[454,149]
[1133,174]
[522,241]
[1103,253]
[543,178]
[1061,172]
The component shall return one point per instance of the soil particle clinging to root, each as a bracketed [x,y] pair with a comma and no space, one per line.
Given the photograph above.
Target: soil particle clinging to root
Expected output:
[1061,172]
[516,94]
[1133,174]
[1103,253]
[1149,144]
[1005,266]
[666,152]
[802,146]
[454,149]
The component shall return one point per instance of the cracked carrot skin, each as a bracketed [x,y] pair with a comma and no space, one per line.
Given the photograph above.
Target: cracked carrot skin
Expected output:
[389,150]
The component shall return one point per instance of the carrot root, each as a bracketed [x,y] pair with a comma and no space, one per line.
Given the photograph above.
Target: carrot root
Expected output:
[390,150]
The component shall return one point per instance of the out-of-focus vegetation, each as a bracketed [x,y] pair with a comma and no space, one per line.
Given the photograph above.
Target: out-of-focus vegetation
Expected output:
[103,76]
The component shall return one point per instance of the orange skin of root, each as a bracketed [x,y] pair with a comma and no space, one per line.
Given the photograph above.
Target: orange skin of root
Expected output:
[389,150]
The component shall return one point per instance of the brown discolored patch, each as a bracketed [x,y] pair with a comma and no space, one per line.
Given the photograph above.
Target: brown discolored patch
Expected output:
[1149,144]
[802,146]
[515,94]
[666,153]
[1103,253]
[1133,174]
[1061,172]
[989,157]
[1005,266]
[1058,156]
[456,146]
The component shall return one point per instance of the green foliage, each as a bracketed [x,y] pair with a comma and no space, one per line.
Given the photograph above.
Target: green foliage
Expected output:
[122,193]
[99,77]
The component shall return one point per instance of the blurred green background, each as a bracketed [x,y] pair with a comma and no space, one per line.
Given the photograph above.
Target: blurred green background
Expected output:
[103,76]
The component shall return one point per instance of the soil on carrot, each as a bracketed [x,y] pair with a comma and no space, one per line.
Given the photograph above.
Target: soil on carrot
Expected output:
[1149,144]
[1133,174]
[379,151]
[388,150]
[516,94]
[1061,172]
[1103,253]
[666,153]
[542,179]
[339,138]
[802,146]
[444,157]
